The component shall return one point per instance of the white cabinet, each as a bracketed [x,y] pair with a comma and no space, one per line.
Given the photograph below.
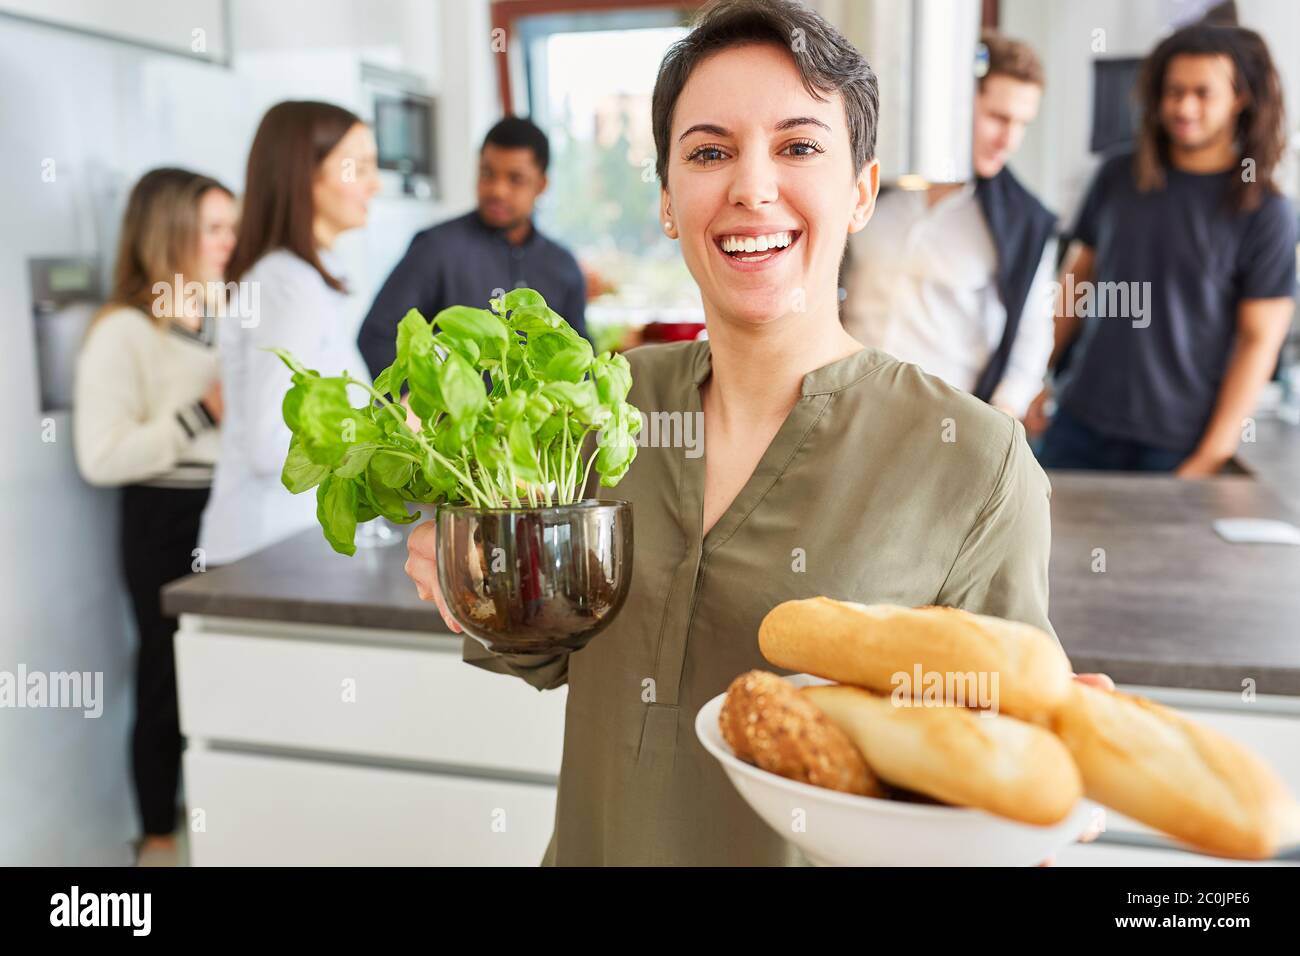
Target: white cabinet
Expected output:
[316,745]
[323,745]
[255,810]
[399,701]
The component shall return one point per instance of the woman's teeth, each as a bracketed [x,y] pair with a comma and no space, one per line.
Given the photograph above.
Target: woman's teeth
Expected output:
[776,240]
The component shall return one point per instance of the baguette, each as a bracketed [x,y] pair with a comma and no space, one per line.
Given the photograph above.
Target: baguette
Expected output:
[994,763]
[1165,770]
[868,645]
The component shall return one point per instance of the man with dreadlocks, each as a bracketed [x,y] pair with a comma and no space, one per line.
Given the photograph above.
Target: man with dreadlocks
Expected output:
[1191,228]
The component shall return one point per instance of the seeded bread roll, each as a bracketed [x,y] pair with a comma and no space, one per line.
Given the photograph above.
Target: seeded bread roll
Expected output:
[766,722]
[868,645]
[992,762]
[1163,769]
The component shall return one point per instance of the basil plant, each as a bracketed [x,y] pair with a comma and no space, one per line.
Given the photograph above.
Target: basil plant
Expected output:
[553,411]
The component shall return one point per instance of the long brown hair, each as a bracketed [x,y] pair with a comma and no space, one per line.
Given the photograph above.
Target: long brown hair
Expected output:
[1261,133]
[292,140]
[159,238]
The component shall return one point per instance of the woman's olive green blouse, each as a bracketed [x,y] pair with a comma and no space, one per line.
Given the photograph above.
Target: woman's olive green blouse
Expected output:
[883,485]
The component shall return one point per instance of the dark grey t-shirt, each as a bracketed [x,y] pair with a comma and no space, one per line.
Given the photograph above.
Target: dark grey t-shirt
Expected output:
[1152,374]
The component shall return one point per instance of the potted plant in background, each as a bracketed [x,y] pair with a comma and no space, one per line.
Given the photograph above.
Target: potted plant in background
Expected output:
[526,565]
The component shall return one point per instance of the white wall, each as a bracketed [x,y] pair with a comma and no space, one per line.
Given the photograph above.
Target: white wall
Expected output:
[193,27]
[105,112]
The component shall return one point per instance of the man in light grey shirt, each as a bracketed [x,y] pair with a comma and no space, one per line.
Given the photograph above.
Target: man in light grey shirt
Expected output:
[957,279]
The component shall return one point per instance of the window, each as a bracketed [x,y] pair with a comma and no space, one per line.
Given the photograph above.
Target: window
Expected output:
[588,79]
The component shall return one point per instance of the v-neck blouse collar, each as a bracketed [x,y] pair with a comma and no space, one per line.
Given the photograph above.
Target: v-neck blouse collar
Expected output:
[836,376]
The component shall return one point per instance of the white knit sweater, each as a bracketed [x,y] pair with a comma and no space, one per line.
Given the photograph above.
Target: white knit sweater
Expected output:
[136,415]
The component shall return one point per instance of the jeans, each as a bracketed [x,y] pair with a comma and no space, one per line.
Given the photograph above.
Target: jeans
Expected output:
[1068,443]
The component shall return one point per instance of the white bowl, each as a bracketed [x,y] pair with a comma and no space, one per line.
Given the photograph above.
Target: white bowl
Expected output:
[832,828]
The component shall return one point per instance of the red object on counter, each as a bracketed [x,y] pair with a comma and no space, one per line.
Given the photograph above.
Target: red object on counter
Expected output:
[671,331]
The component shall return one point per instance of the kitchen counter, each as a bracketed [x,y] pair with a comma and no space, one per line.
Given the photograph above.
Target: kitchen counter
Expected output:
[303,580]
[1274,458]
[1176,606]
[326,709]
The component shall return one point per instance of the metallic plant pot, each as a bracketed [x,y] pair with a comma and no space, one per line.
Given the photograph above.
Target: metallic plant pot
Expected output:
[535,580]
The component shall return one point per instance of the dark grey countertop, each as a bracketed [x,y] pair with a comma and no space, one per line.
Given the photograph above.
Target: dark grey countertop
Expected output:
[1176,606]
[302,579]
[1274,457]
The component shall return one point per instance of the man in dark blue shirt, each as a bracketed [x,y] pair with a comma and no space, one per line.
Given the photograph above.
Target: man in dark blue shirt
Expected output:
[1185,262]
[495,248]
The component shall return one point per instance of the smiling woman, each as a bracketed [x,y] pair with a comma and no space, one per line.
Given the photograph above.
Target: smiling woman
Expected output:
[828,468]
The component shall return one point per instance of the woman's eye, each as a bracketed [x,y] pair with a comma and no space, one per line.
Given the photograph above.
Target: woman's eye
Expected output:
[807,147]
[706,155]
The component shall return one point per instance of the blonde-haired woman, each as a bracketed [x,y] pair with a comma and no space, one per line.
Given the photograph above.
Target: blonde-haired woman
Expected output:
[148,402]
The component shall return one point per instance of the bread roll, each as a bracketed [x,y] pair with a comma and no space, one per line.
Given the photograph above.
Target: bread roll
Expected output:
[766,722]
[868,645]
[995,763]
[1163,769]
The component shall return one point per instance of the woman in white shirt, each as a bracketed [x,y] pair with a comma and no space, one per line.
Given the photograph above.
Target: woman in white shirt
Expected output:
[147,404]
[312,172]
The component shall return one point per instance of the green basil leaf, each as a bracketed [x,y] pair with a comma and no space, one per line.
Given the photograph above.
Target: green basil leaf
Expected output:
[461,324]
[336,510]
[291,407]
[535,320]
[355,459]
[391,470]
[617,447]
[488,453]
[385,385]
[466,348]
[365,512]
[548,430]
[522,298]
[613,378]
[414,337]
[538,410]
[571,362]
[511,408]
[300,473]
[386,500]
[462,389]
[324,419]
[523,455]
[422,372]
[438,476]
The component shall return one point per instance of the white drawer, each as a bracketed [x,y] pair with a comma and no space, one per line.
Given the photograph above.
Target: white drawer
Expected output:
[264,811]
[411,703]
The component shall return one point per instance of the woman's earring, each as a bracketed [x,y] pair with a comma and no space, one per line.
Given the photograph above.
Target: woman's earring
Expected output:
[668,226]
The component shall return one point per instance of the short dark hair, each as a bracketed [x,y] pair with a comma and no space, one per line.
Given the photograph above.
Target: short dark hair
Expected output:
[827,61]
[516,132]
